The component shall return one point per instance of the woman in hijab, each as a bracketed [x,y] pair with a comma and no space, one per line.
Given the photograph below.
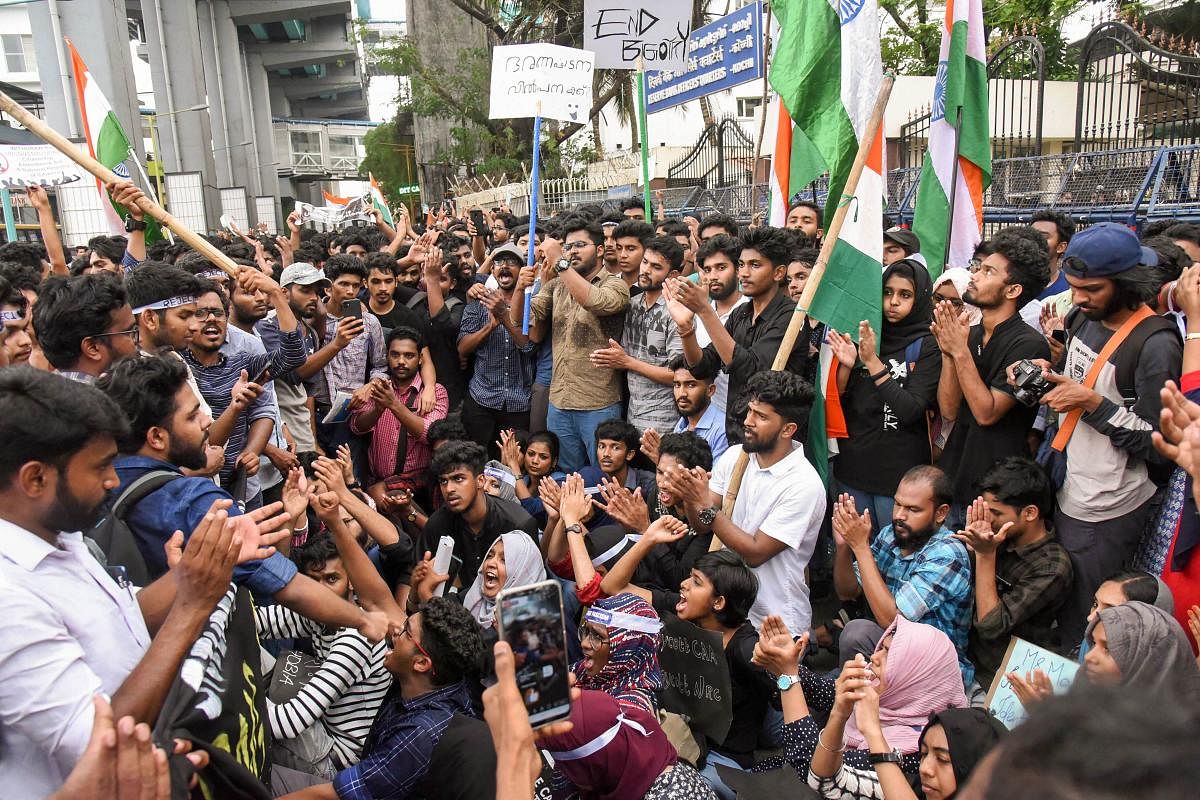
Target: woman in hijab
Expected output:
[914,671]
[620,640]
[1142,646]
[949,288]
[886,396]
[619,752]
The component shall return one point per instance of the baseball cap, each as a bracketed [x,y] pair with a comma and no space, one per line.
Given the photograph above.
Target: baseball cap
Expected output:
[905,238]
[508,250]
[302,273]
[1105,249]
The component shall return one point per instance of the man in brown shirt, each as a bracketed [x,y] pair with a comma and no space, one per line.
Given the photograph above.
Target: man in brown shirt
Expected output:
[583,306]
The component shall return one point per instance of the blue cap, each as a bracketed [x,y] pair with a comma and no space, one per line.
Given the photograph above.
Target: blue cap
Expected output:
[1106,249]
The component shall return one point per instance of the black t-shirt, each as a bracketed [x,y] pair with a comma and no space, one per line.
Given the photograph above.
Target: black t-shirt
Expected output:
[752,688]
[463,765]
[972,447]
[400,316]
[502,517]
[441,336]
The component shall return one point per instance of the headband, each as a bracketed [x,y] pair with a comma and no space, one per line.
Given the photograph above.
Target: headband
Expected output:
[170,302]
[502,475]
[619,619]
[600,742]
[11,316]
[213,274]
[629,538]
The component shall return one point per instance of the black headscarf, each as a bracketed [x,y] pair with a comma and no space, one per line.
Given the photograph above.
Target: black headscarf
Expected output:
[970,733]
[898,336]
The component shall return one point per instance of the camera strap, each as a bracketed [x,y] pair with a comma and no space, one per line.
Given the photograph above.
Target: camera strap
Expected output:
[1067,427]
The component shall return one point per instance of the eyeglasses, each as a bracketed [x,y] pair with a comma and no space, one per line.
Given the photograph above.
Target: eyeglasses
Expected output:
[405,631]
[954,301]
[205,313]
[132,333]
[569,246]
[586,633]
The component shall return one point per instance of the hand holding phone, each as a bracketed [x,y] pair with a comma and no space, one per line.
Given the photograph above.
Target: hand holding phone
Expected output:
[530,619]
[352,308]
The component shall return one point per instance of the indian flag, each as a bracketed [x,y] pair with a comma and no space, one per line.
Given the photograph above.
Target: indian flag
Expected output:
[960,97]
[333,200]
[379,201]
[828,71]
[106,141]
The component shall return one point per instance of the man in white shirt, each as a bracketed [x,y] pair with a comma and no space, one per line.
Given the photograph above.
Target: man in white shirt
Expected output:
[717,265]
[780,504]
[72,626]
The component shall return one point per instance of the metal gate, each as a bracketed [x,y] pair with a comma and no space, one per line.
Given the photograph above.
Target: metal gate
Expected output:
[723,156]
[1134,91]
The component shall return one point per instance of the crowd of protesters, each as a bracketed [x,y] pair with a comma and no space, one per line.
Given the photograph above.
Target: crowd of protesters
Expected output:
[221,491]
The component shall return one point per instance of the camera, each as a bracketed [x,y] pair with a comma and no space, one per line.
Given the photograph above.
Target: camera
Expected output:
[1029,386]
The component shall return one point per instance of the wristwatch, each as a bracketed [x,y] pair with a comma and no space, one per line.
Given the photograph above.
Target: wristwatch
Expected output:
[576,528]
[562,264]
[894,757]
[132,224]
[707,515]
[785,682]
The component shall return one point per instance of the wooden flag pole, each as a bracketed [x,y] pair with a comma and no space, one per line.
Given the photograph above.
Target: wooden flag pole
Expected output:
[60,143]
[796,324]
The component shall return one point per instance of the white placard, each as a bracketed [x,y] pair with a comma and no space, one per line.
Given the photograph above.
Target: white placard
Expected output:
[560,78]
[621,31]
[24,165]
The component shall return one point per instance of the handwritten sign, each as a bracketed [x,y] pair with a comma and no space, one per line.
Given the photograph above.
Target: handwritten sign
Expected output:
[620,32]
[1023,657]
[24,165]
[725,53]
[557,78]
[696,676]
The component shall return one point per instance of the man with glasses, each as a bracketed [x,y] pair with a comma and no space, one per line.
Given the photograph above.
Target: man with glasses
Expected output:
[231,382]
[583,305]
[84,324]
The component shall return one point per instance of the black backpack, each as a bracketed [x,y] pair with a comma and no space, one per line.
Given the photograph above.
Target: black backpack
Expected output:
[114,538]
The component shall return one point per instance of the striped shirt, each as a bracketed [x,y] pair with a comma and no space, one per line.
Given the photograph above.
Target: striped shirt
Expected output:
[216,382]
[343,695]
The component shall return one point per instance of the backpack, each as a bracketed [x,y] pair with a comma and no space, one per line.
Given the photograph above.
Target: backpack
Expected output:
[112,534]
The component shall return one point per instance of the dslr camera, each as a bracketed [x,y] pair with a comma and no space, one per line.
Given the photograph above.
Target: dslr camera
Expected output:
[1029,386]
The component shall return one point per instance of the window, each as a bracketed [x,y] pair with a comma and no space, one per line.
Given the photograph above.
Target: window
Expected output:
[18,52]
[306,142]
[746,106]
[343,146]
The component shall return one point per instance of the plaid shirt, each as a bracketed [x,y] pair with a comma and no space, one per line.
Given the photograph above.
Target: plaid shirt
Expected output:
[503,374]
[399,750]
[364,358]
[932,586]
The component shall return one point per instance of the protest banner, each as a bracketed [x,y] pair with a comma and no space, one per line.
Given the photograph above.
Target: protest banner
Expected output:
[725,53]
[696,677]
[356,209]
[24,165]
[1022,657]
[557,78]
[622,32]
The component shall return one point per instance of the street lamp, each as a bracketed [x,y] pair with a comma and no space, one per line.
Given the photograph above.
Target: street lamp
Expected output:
[154,142]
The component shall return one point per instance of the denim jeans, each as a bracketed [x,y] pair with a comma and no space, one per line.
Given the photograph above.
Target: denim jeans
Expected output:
[713,778]
[576,432]
[879,505]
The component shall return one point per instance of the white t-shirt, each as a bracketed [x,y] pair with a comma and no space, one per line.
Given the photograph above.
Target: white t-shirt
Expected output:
[721,396]
[785,501]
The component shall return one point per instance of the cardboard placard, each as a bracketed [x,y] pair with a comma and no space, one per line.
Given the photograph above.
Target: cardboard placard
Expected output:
[1022,657]
[696,675]
[545,79]
[620,32]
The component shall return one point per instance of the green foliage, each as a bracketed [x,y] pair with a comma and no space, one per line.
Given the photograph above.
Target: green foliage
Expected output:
[389,159]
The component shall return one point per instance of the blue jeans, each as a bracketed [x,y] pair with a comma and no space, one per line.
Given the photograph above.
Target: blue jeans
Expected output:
[879,505]
[710,774]
[576,432]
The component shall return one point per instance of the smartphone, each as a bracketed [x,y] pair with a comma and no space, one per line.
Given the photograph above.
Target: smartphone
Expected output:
[441,562]
[531,621]
[265,374]
[481,228]
[352,308]
[1059,336]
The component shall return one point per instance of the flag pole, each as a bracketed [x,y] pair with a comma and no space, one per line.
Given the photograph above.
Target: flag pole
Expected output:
[953,190]
[645,137]
[796,324]
[103,173]
[10,226]
[534,179]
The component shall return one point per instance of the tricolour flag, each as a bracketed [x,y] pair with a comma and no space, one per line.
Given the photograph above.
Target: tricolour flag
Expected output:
[107,143]
[333,200]
[961,88]
[828,71]
[379,201]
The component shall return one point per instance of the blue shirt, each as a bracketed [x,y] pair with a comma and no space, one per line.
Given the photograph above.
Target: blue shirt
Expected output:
[180,506]
[932,586]
[400,747]
[503,371]
[1059,286]
[710,428]
[634,479]
[545,364]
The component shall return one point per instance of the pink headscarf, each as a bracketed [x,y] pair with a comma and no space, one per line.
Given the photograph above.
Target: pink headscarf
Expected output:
[922,677]
[960,276]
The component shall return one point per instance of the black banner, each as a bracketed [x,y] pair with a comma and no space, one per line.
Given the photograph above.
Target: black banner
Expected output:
[696,675]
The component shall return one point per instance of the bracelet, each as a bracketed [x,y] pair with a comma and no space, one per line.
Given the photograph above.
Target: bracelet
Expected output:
[355,485]
[827,748]
[685,332]
[880,374]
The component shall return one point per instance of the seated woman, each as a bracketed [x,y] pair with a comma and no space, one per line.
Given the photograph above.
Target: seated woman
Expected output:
[914,669]
[620,637]
[1142,646]
[536,460]
[1125,587]
[619,752]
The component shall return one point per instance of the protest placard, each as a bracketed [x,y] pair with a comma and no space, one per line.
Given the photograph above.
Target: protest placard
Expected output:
[1022,657]
[620,32]
[696,676]
[545,79]
[358,209]
[24,165]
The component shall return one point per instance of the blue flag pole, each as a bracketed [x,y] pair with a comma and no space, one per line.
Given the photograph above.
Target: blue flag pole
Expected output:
[533,212]
[10,226]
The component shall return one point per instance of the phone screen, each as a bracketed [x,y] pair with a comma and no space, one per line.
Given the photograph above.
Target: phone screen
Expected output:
[481,227]
[352,308]
[531,621]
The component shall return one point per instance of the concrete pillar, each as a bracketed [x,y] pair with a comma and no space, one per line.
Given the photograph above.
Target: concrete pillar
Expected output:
[185,138]
[264,133]
[227,103]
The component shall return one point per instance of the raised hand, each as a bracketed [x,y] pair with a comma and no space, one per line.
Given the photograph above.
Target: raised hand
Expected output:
[651,440]
[1031,689]
[848,526]
[573,504]
[626,507]
[683,316]
[843,347]
[979,534]
[550,492]
[855,676]
[510,451]
[245,391]
[665,530]
[951,328]
[776,652]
